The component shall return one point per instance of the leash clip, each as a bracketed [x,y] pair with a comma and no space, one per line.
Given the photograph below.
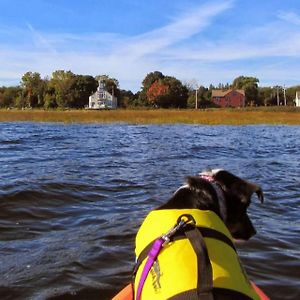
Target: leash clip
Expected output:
[182,221]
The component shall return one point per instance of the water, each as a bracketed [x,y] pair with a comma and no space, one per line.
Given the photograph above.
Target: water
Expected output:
[72,198]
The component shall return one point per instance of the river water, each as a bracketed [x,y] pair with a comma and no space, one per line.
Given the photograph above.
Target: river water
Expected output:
[73,196]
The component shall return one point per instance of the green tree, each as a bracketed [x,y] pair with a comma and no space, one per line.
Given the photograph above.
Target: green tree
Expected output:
[203,96]
[250,86]
[9,96]
[62,83]
[83,86]
[266,96]
[33,89]
[136,100]
[126,99]
[178,93]
[50,101]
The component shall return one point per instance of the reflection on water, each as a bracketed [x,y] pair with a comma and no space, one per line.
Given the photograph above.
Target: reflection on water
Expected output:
[73,196]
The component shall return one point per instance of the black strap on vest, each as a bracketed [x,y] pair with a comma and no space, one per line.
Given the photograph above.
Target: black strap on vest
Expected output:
[205,232]
[204,268]
[209,233]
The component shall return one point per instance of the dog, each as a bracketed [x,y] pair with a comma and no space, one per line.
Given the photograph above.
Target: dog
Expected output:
[205,191]
[196,228]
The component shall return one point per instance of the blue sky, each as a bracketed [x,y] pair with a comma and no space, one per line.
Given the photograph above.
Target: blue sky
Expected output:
[196,41]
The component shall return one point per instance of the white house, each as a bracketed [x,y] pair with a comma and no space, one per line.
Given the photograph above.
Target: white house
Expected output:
[297,100]
[102,98]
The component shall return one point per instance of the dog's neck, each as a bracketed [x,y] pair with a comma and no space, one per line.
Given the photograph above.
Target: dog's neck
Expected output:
[222,211]
[219,192]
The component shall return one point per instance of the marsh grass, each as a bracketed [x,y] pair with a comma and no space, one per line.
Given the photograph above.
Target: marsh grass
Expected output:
[288,116]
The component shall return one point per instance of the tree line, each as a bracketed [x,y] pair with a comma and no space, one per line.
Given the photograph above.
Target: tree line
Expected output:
[64,89]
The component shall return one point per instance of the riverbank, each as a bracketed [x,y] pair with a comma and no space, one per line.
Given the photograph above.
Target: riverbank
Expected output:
[273,116]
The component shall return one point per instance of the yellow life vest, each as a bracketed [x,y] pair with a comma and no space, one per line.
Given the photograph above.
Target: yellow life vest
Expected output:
[175,271]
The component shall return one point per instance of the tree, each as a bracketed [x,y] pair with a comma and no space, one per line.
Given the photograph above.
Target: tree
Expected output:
[33,89]
[265,96]
[178,93]
[83,86]
[137,102]
[151,78]
[146,84]
[126,99]
[203,96]
[250,86]
[167,92]
[157,93]
[9,96]
[162,91]
[49,101]
[62,82]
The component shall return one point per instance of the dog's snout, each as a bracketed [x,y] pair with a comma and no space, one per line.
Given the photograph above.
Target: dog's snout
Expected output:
[242,230]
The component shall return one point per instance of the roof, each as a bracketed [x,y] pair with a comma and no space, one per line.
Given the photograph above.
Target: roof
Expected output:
[223,93]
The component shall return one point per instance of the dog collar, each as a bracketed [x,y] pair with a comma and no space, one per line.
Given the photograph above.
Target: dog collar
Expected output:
[219,191]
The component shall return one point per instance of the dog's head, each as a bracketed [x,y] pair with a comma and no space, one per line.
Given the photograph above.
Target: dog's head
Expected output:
[222,192]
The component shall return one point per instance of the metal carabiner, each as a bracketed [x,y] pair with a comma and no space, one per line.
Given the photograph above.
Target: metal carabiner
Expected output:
[181,222]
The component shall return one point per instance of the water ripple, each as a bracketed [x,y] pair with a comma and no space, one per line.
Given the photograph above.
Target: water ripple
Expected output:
[73,196]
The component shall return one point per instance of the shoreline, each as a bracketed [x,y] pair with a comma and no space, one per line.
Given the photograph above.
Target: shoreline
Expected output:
[246,116]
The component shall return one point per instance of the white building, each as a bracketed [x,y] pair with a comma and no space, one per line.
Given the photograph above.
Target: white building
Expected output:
[297,100]
[102,99]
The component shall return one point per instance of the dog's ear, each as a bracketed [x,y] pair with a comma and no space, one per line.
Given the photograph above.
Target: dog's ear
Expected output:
[254,188]
[244,190]
[241,188]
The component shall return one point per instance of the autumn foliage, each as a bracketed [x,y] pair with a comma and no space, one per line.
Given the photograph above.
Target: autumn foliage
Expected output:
[157,90]
[162,91]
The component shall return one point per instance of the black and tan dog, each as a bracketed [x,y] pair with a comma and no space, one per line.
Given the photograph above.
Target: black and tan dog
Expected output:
[185,247]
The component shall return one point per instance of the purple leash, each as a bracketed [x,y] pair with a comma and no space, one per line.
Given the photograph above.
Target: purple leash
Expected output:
[156,248]
[153,253]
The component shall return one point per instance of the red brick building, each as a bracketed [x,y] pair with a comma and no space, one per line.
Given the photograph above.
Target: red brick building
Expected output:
[228,98]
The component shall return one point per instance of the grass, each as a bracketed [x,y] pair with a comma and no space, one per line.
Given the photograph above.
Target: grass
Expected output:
[264,115]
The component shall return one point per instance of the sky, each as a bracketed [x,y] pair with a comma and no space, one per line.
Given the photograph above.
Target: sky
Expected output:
[198,42]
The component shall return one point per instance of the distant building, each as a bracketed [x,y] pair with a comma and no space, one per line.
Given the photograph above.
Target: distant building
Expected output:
[102,99]
[297,100]
[228,98]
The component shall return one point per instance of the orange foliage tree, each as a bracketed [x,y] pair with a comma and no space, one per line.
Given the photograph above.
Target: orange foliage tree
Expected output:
[156,92]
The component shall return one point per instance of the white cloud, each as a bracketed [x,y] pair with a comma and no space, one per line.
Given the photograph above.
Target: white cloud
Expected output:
[183,28]
[290,17]
[178,49]
[40,41]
